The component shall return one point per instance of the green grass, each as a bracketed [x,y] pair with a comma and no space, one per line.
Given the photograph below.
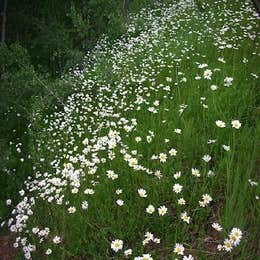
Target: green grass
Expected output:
[173,41]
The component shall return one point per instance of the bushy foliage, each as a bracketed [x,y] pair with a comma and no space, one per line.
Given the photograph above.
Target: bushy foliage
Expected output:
[57,33]
[24,94]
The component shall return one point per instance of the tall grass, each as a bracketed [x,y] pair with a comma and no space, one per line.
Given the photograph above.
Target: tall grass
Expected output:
[173,101]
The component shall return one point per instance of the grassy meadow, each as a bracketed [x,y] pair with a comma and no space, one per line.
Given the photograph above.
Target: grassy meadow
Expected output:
[154,155]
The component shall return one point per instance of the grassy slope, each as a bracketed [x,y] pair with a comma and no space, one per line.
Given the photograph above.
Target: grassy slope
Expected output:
[172,43]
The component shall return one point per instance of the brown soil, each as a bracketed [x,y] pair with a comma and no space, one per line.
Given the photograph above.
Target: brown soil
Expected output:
[7,251]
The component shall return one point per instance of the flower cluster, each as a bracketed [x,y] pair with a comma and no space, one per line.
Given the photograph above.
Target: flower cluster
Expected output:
[232,241]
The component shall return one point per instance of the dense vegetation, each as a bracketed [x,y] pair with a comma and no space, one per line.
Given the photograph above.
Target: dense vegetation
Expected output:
[40,41]
[147,148]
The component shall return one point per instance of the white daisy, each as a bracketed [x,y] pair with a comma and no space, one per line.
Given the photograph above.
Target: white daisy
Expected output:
[117,245]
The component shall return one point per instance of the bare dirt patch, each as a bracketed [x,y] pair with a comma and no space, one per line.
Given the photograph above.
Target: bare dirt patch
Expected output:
[7,251]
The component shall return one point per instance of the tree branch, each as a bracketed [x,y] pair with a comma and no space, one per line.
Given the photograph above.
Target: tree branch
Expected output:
[3,27]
